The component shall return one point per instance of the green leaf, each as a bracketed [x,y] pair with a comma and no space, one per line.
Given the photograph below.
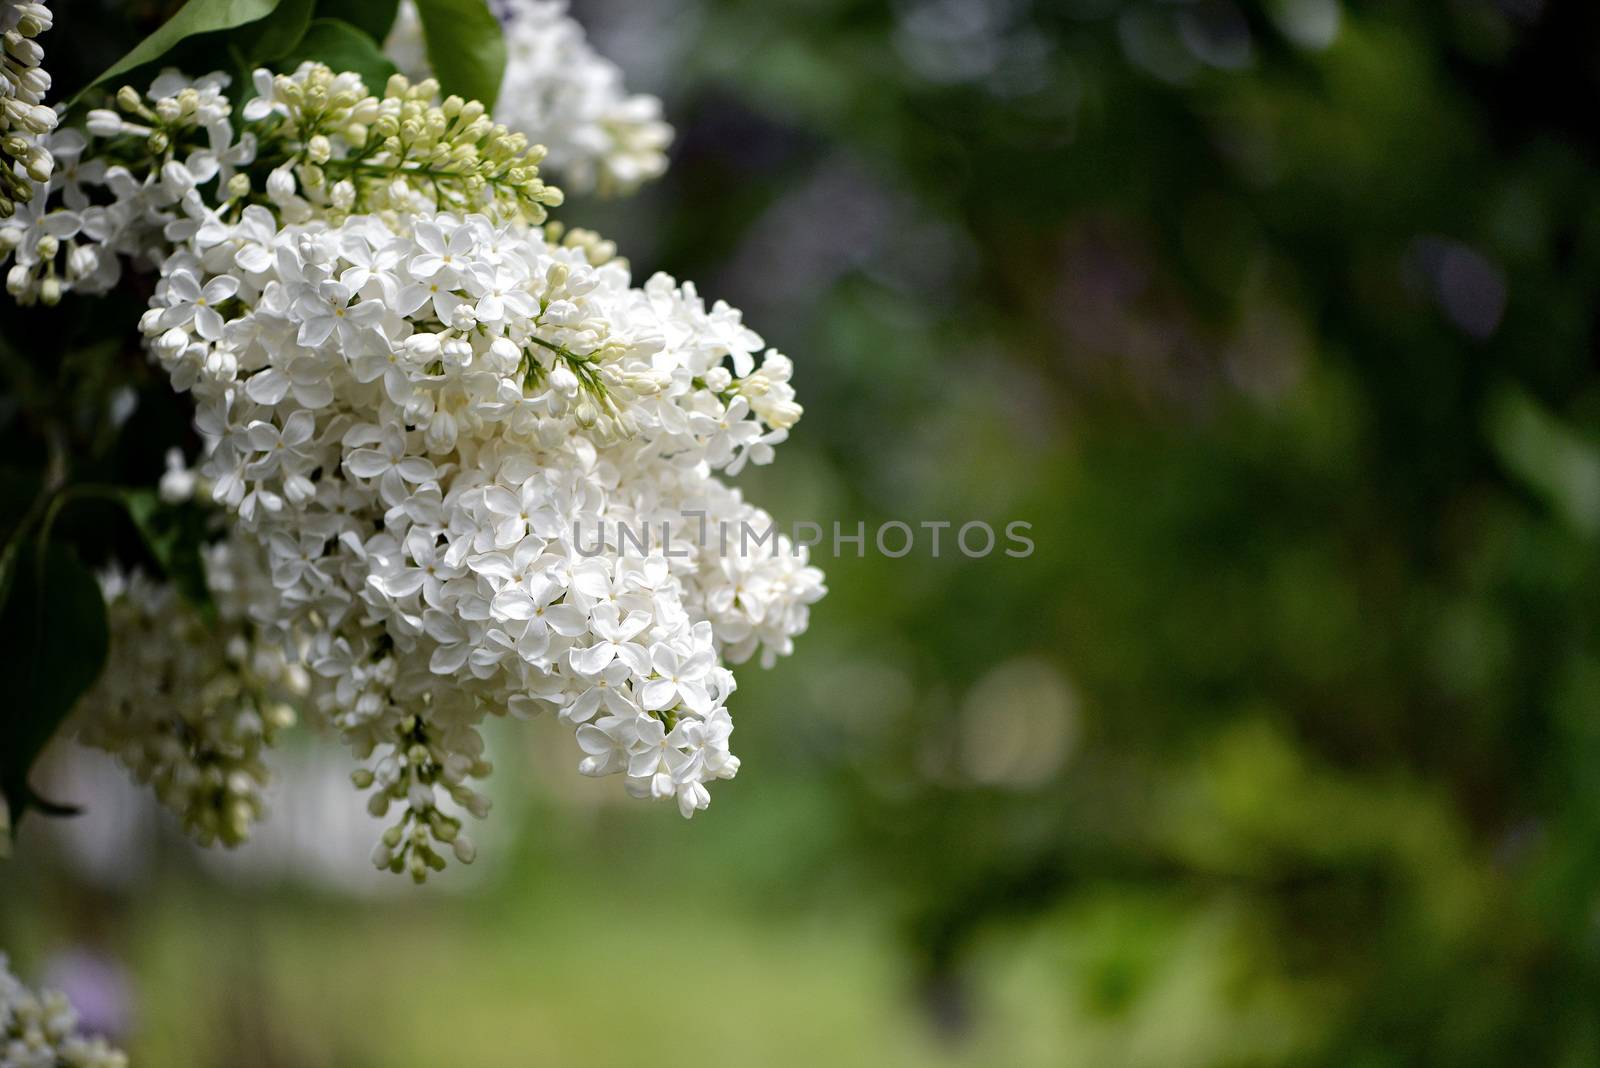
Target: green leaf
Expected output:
[375,18]
[175,535]
[192,19]
[343,47]
[465,47]
[53,626]
[279,35]
[16,538]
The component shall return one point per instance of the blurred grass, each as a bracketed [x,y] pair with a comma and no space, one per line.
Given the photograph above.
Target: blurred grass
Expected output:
[598,977]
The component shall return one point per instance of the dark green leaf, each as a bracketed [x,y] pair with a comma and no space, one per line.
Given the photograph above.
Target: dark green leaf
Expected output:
[343,47]
[374,18]
[54,628]
[465,47]
[192,19]
[16,536]
[20,488]
[279,35]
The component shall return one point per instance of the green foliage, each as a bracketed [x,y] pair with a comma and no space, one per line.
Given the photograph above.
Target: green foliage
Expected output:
[343,47]
[197,17]
[465,47]
[244,34]
[53,628]
[276,36]
[372,17]
[1291,365]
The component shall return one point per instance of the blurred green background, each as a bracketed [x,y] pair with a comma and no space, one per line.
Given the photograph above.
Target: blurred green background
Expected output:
[1278,323]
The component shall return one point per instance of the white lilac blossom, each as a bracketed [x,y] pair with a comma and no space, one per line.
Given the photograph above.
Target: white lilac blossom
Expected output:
[469,468]
[564,96]
[483,472]
[24,118]
[100,206]
[41,1031]
[189,702]
[311,144]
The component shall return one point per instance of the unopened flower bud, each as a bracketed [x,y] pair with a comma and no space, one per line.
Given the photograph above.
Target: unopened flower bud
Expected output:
[280,185]
[103,122]
[423,346]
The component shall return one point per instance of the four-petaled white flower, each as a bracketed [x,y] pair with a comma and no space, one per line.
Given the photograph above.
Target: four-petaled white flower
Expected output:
[192,302]
[681,680]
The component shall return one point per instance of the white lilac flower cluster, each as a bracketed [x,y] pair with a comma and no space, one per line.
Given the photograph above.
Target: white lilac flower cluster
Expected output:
[563,95]
[41,1031]
[165,164]
[469,467]
[105,204]
[189,701]
[24,118]
[482,469]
